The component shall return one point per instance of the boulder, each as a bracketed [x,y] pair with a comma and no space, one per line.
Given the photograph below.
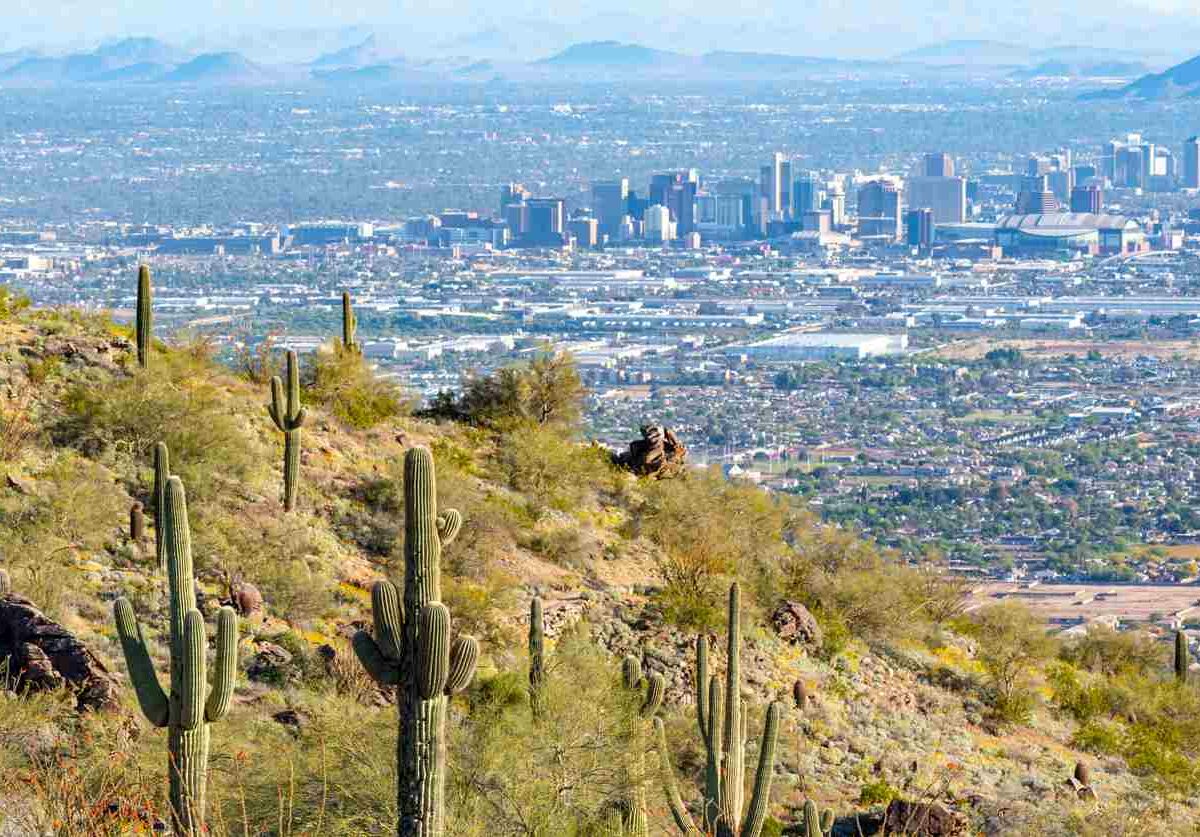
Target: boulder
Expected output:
[657,454]
[272,664]
[921,819]
[39,655]
[795,624]
[245,599]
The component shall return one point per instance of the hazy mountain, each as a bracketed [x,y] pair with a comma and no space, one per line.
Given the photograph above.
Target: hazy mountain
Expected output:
[43,70]
[990,53]
[1103,69]
[614,54]
[10,59]
[143,71]
[219,68]
[366,53]
[131,51]
[762,62]
[1180,81]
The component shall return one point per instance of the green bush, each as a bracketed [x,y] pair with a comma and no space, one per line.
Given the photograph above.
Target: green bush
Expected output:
[878,792]
[349,388]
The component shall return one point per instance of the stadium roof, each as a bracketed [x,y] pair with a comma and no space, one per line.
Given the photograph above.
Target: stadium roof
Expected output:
[1066,222]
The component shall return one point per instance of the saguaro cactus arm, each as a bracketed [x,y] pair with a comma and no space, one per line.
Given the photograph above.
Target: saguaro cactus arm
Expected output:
[151,697]
[224,667]
[194,685]
[464,656]
[756,815]
[433,649]
[380,655]
[382,670]
[679,813]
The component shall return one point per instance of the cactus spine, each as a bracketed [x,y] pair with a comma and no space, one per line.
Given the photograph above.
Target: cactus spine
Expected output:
[191,705]
[144,321]
[289,416]
[537,657]
[411,649]
[162,473]
[720,717]
[649,691]
[137,523]
[1181,657]
[349,324]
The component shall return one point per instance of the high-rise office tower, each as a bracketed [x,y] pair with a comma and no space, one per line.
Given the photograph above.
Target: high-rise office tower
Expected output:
[511,193]
[879,210]
[786,198]
[1191,163]
[806,193]
[939,164]
[677,192]
[610,205]
[546,220]
[771,184]
[657,224]
[918,225]
[946,196]
[586,231]
[1035,197]
[1087,199]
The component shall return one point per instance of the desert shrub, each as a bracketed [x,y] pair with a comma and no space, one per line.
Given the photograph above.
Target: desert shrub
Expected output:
[560,775]
[563,546]
[182,402]
[259,361]
[1105,651]
[18,429]
[1012,645]
[878,792]
[349,388]
[708,530]
[545,391]
[551,471]
[12,303]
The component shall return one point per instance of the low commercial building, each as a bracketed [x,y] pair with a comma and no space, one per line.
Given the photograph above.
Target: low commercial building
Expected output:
[1070,232]
[810,346]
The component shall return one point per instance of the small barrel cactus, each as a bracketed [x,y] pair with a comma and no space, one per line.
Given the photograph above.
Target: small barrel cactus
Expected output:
[289,416]
[191,704]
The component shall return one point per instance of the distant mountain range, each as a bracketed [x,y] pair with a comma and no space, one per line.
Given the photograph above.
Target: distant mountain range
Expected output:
[1179,82]
[368,61]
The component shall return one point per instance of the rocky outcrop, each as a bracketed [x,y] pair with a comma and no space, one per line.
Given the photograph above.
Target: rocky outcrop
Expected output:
[795,624]
[37,654]
[921,819]
[657,454]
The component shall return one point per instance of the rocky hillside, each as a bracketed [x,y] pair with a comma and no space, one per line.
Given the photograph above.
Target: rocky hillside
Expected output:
[895,706]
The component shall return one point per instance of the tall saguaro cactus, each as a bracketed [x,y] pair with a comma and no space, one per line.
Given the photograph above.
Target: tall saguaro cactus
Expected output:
[191,705]
[1181,656]
[144,322]
[349,324]
[411,650]
[537,657]
[720,713]
[289,416]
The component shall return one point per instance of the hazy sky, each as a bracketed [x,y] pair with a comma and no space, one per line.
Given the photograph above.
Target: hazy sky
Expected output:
[818,27]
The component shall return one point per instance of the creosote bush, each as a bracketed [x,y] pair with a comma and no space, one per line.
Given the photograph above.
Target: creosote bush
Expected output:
[344,382]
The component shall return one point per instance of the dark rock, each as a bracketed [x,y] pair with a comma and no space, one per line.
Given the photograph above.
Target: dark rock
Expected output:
[245,599]
[657,454]
[41,655]
[793,622]
[920,819]
[272,664]
[291,718]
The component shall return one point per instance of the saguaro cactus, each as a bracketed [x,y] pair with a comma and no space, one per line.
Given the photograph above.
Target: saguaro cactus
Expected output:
[1181,657]
[191,706]
[720,716]
[137,523]
[144,322]
[349,324]
[411,649]
[289,416]
[5,583]
[537,656]
[162,473]
[649,690]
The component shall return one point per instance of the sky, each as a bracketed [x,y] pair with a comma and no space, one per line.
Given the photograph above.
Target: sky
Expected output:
[842,28]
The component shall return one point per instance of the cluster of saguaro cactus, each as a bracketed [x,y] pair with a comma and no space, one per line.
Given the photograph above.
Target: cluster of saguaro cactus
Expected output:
[143,321]
[720,713]
[1181,657]
[162,473]
[650,690]
[191,705]
[288,415]
[349,324]
[411,649]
